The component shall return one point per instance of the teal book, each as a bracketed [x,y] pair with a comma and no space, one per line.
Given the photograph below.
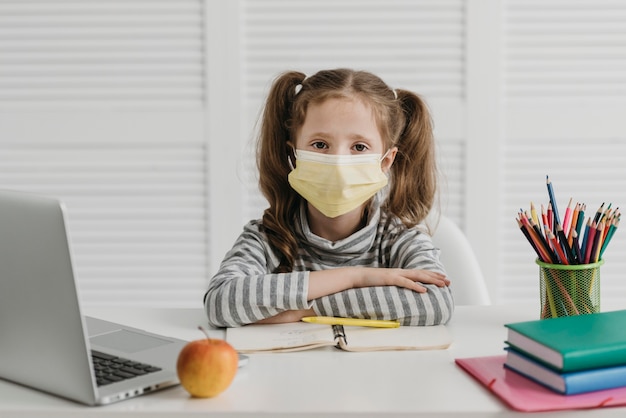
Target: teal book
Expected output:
[573,343]
[570,383]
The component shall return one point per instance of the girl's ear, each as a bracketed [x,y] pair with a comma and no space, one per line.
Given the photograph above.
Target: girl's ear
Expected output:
[388,159]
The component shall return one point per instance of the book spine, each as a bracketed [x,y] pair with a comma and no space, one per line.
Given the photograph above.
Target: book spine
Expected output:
[534,378]
[592,380]
[606,357]
[576,362]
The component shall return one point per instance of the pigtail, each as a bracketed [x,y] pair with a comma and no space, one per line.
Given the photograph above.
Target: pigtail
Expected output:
[414,170]
[272,161]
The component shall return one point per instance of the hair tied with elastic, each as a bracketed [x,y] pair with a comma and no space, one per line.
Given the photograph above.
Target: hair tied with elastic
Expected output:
[395,93]
[299,86]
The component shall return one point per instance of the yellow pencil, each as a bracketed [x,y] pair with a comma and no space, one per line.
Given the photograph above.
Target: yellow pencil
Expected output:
[355,322]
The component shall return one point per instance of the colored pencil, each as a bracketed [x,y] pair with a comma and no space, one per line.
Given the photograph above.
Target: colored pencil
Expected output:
[550,217]
[557,247]
[572,227]
[606,212]
[596,218]
[581,218]
[540,246]
[576,246]
[544,215]
[597,246]
[609,235]
[564,245]
[555,209]
[530,240]
[533,213]
[567,219]
[590,241]
[544,244]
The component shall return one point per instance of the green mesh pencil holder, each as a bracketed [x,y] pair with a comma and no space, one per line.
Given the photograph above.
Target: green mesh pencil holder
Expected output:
[569,289]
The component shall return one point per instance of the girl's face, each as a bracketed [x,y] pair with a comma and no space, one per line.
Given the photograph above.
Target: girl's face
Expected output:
[342,126]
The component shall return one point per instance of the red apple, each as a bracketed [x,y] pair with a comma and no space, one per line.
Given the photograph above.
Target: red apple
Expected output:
[206,367]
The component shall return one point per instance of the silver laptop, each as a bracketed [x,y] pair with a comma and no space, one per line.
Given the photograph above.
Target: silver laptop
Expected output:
[45,341]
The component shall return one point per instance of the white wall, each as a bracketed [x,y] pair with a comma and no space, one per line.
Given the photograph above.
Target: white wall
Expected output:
[141,114]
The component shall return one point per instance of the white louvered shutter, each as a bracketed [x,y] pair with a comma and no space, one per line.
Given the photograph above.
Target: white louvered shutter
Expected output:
[412,45]
[101,104]
[565,97]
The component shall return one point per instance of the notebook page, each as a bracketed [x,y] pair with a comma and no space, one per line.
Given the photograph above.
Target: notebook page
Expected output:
[280,337]
[403,338]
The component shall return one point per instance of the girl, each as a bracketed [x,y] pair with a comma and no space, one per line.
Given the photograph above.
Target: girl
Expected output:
[332,242]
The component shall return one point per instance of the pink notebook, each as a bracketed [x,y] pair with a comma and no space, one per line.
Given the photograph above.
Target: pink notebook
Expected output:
[522,394]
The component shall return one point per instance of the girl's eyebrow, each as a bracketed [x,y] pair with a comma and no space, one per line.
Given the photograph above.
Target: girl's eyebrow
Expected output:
[361,138]
[320,135]
[326,135]
[357,137]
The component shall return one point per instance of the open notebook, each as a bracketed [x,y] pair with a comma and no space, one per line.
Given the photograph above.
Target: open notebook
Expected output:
[299,336]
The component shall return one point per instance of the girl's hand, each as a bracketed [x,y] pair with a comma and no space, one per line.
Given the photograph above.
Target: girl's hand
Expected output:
[408,278]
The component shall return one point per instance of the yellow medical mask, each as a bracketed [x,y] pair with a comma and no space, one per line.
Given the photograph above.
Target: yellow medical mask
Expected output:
[337,184]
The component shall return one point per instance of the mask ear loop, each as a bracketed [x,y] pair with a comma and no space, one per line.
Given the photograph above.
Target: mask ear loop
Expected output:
[387,173]
[289,160]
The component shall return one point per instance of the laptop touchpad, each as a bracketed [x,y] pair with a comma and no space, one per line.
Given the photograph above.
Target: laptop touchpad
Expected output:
[128,341]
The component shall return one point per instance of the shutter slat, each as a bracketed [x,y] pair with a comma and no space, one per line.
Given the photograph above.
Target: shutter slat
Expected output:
[85,53]
[559,49]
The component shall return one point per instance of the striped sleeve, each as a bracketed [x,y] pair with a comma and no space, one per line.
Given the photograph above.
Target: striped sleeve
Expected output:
[243,291]
[411,250]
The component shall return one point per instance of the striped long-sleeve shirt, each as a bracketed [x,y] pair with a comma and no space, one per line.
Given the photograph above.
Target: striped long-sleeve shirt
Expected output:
[246,290]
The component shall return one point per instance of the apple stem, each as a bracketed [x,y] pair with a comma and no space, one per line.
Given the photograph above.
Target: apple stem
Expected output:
[201,328]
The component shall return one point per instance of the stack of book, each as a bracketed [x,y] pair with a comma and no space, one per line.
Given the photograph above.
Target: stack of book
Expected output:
[570,355]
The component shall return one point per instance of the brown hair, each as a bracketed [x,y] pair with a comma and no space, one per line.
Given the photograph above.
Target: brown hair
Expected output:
[402,118]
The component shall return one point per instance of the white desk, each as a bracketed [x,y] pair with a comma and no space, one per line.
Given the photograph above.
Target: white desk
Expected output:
[323,382]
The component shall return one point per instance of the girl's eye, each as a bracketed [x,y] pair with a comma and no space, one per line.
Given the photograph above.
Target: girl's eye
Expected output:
[360,147]
[318,145]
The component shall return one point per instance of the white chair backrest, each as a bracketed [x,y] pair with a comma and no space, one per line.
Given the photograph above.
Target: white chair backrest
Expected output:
[467,281]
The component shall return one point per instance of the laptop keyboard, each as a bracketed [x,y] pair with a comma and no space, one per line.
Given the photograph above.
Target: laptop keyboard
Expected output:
[111,369]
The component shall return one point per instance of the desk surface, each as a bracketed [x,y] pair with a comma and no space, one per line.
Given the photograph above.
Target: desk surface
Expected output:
[322,382]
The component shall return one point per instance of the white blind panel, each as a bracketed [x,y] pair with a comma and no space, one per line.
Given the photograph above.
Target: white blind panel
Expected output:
[563,48]
[564,78]
[136,216]
[255,201]
[451,159]
[417,45]
[101,53]
[589,174]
